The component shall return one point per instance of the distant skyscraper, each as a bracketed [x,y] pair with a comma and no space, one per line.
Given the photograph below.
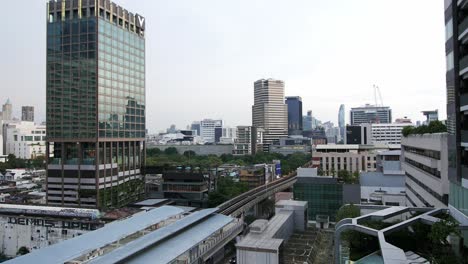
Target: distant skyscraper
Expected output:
[27,113]
[196,127]
[457,106]
[95,104]
[307,121]
[294,104]
[370,114]
[432,115]
[341,122]
[269,111]
[7,111]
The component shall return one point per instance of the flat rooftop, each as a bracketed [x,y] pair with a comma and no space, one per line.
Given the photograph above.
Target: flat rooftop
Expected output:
[265,241]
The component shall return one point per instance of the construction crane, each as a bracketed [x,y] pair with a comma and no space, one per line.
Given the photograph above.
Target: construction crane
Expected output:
[377,92]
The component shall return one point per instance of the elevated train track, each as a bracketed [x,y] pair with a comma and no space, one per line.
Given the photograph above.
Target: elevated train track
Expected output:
[240,204]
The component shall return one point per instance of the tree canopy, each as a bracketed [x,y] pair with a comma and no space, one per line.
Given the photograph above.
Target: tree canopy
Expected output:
[433,127]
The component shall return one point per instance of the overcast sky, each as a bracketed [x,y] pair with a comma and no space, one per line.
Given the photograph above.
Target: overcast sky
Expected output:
[203,56]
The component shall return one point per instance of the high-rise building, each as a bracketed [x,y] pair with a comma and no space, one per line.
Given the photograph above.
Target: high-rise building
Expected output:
[370,114]
[27,113]
[7,110]
[95,104]
[341,122]
[294,104]
[456,51]
[269,111]
[210,130]
[307,121]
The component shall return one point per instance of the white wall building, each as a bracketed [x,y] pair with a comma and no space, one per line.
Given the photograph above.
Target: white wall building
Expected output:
[387,133]
[425,162]
[25,139]
[208,128]
[229,135]
[351,157]
[36,227]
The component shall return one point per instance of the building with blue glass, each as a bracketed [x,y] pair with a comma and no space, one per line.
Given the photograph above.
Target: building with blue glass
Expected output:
[294,104]
[95,104]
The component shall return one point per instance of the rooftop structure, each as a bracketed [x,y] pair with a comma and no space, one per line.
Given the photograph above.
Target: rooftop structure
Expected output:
[264,242]
[162,234]
[396,219]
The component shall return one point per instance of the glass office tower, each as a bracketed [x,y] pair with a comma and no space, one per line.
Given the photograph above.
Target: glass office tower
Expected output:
[95,104]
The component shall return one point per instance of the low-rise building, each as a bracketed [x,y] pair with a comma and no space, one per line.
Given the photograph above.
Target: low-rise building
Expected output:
[386,185]
[291,145]
[324,194]
[253,176]
[353,158]
[186,188]
[36,227]
[425,162]
[265,241]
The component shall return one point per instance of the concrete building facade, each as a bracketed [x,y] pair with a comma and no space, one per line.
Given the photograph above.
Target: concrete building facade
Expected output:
[425,162]
[36,227]
[25,140]
[385,186]
[269,111]
[353,158]
[387,133]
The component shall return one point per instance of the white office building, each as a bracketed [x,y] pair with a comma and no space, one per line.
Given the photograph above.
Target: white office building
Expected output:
[24,139]
[208,128]
[387,133]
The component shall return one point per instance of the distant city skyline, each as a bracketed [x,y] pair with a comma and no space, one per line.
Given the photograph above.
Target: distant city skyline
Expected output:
[202,59]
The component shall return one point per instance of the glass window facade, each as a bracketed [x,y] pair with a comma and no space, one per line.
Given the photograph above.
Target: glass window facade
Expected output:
[121,84]
[322,199]
[95,104]
[71,79]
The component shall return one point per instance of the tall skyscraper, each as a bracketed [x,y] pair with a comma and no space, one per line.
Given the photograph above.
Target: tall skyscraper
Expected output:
[341,122]
[7,110]
[27,113]
[294,104]
[95,104]
[456,15]
[269,111]
[370,114]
